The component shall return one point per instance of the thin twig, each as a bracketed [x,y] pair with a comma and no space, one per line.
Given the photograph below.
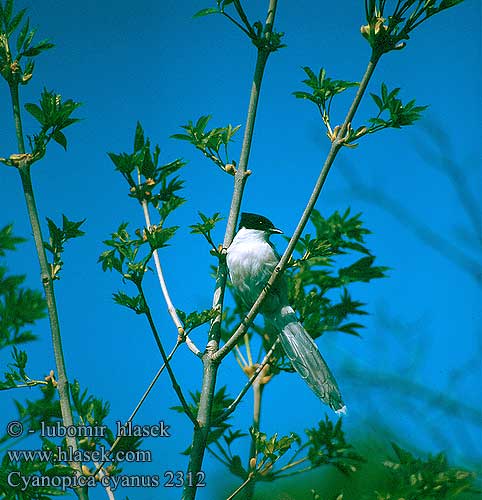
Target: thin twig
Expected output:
[175,385]
[239,25]
[240,488]
[107,487]
[292,464]
[248,384]
[248,350]
[140,403]
[295,472]
[239,355]
[31,383]
[253,452]
[244,18]
[165,292]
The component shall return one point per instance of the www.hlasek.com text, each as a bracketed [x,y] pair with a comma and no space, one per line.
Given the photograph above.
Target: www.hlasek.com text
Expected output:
[101,454]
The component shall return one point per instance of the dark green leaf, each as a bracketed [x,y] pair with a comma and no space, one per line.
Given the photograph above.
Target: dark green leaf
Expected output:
[13,25]
[60,138]
[206,12]
[36,112]
[138,138]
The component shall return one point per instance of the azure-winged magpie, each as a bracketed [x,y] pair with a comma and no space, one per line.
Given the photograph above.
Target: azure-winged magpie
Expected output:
[251,259]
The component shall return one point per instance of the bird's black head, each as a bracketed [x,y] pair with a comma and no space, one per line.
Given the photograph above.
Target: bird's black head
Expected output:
[255,221]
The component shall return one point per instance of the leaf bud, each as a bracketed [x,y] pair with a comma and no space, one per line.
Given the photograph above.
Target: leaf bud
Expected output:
[14,67]
[86,471]
[230,169]
[365,30]
[26,78]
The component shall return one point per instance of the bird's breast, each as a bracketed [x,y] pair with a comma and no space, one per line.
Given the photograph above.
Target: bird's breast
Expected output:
[250,265]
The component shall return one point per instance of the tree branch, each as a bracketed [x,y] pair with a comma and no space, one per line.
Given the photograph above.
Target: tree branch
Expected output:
[47,282]
[165,292]
[175,385]
[335,147]
[210,364]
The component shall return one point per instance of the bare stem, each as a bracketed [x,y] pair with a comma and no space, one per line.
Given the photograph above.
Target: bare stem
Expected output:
[257,398]
[240,176]
[165,292]
[240,488]
[47,282]
[30,383]
[108,489]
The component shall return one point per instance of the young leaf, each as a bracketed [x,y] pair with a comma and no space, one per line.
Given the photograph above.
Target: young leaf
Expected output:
[206,12]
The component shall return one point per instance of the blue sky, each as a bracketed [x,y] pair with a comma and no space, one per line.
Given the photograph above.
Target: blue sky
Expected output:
[152,62]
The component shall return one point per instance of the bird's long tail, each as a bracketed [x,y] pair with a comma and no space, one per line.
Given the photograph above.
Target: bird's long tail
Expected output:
[306,358]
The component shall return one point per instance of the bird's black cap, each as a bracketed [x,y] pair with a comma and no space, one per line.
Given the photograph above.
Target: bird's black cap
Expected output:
[255,221]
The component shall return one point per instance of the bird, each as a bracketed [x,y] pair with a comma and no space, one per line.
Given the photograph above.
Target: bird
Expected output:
[251,259]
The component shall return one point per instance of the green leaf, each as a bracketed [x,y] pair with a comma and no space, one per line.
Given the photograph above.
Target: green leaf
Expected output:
[362,270]
[324,89]
[311,74]
[209,141]
[446,4]
[207,224]
[23,35]
[182,137]
[136,303]
[378,101]
[60,138]
[195,319]
[139,138]
[159,236]
[384,92]
[201,123]
[71,228]
[206,12]
[7,11]
[58,238]
[36,112]
[7,240]
[38,49]
[13,25]
[327,445]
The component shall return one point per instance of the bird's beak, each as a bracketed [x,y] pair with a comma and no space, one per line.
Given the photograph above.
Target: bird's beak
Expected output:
[276,231]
